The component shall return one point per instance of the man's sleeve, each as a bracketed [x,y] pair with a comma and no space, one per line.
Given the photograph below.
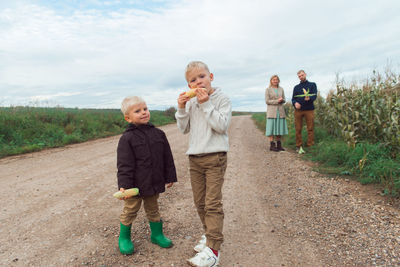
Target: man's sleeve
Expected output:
[314,91]
[294,100]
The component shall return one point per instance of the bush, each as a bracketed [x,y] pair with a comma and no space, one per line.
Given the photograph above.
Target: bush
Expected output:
[170,112]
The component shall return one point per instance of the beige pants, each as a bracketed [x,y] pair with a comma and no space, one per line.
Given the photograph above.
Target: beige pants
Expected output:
[207,177]
[132,206]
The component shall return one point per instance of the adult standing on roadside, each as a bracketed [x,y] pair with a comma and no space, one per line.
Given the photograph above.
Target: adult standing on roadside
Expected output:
[276,116]
[304,95]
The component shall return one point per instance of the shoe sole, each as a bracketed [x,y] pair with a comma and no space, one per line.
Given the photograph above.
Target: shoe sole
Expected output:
[170,246]
[192,264]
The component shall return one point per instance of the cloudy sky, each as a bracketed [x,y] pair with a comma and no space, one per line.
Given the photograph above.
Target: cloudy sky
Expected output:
[91,54]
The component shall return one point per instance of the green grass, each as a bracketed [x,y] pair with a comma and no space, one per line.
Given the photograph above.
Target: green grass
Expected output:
[368,163]
[240,113]
[259,119]
[28,129]
[336,157]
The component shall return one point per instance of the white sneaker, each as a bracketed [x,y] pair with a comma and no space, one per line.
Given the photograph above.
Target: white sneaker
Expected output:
[205,258]
[201,245]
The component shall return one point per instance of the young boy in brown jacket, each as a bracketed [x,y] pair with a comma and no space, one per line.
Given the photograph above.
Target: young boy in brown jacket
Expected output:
[144,161]
[206,118]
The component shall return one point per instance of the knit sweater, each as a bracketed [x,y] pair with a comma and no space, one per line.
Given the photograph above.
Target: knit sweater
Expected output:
[206,123]
[298,90]
[273,106]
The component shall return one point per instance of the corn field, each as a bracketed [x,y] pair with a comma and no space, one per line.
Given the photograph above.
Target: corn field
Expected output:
[368,112]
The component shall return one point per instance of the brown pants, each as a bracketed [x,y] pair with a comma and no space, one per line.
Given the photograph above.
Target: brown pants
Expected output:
[132,206]
[207,177]
[298,121]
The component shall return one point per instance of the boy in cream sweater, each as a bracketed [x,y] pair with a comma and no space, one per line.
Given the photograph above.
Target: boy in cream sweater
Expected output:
[206,118]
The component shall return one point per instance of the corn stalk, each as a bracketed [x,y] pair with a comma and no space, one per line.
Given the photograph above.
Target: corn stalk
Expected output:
[368,112]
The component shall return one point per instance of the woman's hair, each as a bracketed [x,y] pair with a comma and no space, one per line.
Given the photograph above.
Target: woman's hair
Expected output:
[195,65]
[130,101]
[274,76]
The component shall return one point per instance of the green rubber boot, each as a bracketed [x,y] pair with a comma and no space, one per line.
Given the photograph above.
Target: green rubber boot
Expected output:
[124,241]
[157,236]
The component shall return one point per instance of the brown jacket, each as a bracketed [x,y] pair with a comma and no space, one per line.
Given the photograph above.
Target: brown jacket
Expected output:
[271,99]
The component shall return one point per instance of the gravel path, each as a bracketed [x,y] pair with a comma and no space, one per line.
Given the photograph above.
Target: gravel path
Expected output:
[57,210]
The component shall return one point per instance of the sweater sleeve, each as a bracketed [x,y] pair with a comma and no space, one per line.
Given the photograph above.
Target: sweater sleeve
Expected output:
[313,91]
[293,98]
[182,119]
[169,165]
[218,118]
[297,91]
[125,164]
[270,101]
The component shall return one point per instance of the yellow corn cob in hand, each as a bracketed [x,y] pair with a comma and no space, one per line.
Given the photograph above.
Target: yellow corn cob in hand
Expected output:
[304,90]
[191,93]
[127,193]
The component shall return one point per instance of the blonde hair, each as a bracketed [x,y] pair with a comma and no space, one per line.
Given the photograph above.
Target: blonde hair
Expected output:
[274,76]
[300,71]
[195,65]
[130,101]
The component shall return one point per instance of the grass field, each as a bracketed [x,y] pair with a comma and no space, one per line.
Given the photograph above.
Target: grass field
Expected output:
[27,129]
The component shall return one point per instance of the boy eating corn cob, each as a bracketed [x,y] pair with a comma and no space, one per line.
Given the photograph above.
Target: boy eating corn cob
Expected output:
[206,118]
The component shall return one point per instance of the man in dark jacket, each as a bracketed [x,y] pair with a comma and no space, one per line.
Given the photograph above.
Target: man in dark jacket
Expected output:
[303,98]
[144,161]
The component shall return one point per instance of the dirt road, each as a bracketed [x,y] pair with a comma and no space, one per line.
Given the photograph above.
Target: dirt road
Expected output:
[57,209]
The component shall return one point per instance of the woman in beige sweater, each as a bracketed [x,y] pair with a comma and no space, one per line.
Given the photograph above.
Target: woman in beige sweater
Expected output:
[276,116]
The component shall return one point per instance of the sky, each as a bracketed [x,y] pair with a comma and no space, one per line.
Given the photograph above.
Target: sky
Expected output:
[92,54]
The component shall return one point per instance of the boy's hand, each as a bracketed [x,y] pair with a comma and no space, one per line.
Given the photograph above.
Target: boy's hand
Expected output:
[169,185]
[202,95]
[182,99]
[297,105]
[123,190]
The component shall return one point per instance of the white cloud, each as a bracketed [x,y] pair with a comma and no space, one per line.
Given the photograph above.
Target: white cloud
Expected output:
[49,97]
[106,54]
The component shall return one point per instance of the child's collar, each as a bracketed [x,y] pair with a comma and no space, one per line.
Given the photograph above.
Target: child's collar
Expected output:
[149,124]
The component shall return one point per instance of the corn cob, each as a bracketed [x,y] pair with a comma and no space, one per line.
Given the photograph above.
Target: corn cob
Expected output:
[306,93]
[127,193]
[191,93]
